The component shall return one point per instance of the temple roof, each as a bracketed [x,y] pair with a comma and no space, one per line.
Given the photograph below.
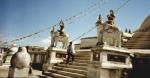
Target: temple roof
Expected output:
[141,38]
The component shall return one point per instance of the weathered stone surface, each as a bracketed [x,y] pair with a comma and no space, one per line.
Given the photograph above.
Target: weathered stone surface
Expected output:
[108,32]
[4,71]
[141,37]
[112,61]
[18,73]
[59,36]
[52,54]
[21,59]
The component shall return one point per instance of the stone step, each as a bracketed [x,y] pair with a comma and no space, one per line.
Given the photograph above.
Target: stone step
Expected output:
[144,44]
[83,50]
[130,45]
[142,35]
[136,39]
[70,70]
[85,55]
[82,61]
[82,58]
[70,74]
[73,66]
[55,75]
[133,40]
[44,76]
[79,64]
[138,47]
[82,54]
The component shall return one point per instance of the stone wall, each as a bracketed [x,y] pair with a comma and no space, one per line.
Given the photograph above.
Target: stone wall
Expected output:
[88,42]
[1,56]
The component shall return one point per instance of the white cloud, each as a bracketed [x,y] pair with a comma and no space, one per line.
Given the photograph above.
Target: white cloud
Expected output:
[45,41]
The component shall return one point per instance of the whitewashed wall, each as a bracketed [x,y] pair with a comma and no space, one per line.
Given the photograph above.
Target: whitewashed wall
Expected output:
[88,42]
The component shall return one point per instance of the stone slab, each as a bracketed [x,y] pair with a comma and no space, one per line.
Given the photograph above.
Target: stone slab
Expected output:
[4,71]
[18,73]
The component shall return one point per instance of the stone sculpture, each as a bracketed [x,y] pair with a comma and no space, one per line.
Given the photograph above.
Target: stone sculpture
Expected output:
[21,59]
[57,37]
[108,32]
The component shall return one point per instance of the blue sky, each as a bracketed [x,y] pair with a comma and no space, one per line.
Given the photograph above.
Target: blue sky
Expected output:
[22,17]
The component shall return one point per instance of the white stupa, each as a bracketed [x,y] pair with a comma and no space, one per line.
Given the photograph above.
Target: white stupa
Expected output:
[13,49]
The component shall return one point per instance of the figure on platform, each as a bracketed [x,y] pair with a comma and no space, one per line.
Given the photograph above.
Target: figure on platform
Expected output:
[56,37]
[111,17]
[108,33]
[70,53]
[61,31]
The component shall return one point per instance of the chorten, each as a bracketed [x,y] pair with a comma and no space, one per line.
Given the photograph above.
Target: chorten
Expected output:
[13,50]
[141,37]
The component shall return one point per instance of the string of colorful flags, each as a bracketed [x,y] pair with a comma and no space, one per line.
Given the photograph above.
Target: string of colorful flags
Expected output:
[92,28]
[67,20]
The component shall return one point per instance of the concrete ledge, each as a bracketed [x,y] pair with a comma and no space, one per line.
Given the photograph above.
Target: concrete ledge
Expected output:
[4,71]
[112,49]
[57,50]
[18,73]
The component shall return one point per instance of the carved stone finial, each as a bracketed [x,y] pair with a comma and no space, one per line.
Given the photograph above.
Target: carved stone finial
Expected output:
[111,12]
[99,21]
[61,23]
[61,31]
[53,29]
[100,18]
[111,17]
[126,30]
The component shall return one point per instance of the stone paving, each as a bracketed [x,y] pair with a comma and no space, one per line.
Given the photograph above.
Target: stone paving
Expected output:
[35,73]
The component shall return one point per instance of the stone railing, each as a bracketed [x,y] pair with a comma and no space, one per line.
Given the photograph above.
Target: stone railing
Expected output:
[56,55]
[108,62]
[1,56]
[117,57]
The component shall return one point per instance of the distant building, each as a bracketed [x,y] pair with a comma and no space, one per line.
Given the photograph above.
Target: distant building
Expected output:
[141,37]
[77,46]
[88,42]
